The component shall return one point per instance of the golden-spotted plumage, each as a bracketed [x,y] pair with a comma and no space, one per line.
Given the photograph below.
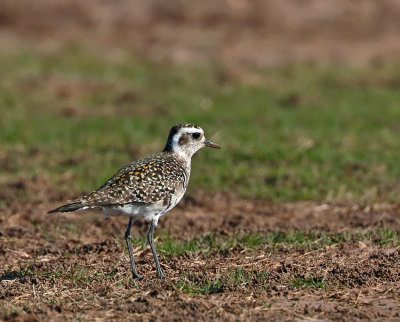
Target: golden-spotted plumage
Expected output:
[148,180]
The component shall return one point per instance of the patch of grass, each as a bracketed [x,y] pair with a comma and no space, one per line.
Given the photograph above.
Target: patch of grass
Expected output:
[138,241]
[386,236]
[187,285]
[300,132]
[168,245]
[78,275]
[289,239]
[276,241]
[309,282]
[238,277]
[242,277]
[75,274]
[314,240]
[172,246]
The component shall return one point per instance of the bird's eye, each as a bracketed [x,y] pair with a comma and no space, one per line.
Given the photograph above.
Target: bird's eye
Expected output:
[196,135]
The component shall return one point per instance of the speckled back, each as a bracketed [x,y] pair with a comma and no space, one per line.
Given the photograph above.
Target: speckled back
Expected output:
[148,180]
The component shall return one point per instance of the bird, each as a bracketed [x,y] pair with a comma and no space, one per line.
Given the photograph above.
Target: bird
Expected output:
[147,188]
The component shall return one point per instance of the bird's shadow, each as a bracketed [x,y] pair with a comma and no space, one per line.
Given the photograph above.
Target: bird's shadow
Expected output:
[13,275]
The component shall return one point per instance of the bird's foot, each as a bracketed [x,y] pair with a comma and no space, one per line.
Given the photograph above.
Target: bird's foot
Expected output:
[139,277]
[160,274]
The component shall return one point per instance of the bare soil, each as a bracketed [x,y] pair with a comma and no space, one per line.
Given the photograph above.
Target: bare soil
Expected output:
[71,266]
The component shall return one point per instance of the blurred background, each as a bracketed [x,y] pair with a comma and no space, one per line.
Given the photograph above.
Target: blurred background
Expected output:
[302,95]
[235,32]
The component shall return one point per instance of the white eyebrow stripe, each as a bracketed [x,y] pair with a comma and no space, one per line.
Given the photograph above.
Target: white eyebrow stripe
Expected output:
[189,130]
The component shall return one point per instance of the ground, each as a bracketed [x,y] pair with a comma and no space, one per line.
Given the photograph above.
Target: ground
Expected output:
[228,258]
[295,218]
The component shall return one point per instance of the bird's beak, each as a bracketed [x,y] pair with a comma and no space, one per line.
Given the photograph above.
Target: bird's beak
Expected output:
[211,144]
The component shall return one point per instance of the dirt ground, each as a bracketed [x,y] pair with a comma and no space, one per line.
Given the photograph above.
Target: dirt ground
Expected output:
[75,266]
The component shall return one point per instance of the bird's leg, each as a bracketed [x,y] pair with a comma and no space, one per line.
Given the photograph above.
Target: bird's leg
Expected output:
[150,239]
[128,239]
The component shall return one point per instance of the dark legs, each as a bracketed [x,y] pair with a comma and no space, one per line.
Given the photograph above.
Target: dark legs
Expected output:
[150,239]
[128,239]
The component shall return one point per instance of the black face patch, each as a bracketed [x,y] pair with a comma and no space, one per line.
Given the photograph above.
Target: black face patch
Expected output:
[173,131]
[183,139]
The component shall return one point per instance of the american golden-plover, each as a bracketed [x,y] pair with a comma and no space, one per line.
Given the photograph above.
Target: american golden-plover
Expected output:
[149,187]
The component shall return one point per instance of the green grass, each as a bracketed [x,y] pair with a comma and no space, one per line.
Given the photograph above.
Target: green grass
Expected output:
[272,241]
[177,247]
[233,278]
[187,285]
[309,282]
[298,132]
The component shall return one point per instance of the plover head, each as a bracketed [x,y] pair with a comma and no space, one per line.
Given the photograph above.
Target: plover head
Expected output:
[186,139]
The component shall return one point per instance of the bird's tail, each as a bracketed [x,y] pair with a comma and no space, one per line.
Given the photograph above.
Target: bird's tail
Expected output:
[69,207]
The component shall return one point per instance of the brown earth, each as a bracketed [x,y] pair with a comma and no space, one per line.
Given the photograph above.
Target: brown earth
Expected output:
[75,266]
[232,32]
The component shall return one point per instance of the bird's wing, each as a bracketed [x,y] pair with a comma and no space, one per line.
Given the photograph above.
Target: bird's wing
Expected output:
[148,181]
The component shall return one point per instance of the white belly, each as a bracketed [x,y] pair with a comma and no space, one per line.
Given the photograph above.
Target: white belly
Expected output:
[150,212]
